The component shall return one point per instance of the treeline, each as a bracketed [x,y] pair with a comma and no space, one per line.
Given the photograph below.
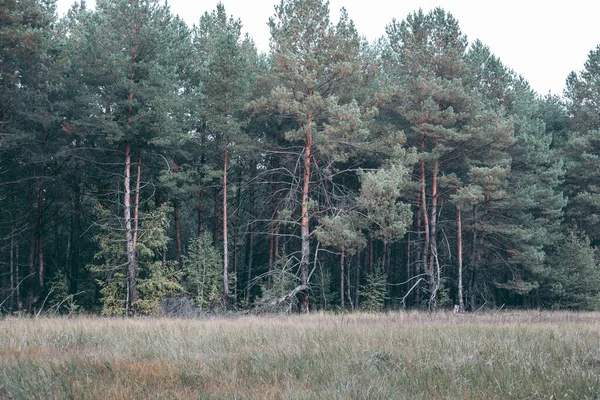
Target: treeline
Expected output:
[144,162]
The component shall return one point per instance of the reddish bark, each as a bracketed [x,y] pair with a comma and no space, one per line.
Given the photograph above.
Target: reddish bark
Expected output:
[305,234]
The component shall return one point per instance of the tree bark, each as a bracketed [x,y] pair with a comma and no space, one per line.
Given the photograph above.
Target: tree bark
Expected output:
[40,224]
[342,294]
[425,215]
[357,280]
[305,234]
[131,267]
[136,207]
[434,284]
[12,265]
[225,247]
[250,238]
[31,298]
[459,244]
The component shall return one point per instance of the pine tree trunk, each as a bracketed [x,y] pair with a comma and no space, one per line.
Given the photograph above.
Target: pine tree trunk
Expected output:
[177,233]
[215,217]
[131,267]
[31,298]
[459,243]
[136,206]
[425,215]
[305,234]
[434,282]
[75,238]
[40,227]
[250,238]
[129,231]
[17,280]
[225,248]
[12,266]
[236,234]
[201,193]
[276,250]
[343,306]
[357,280]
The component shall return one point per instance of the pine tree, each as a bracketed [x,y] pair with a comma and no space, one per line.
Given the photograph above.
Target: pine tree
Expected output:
[441,115]
[133,51]
[224,74]
[314,62]
[582,150]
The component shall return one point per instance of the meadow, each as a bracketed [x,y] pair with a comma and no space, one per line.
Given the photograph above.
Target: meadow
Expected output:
[404,355]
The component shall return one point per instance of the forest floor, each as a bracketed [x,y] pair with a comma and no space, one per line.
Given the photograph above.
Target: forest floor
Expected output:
[321,356]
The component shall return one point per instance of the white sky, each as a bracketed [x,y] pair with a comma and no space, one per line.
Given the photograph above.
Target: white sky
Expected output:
[542,40]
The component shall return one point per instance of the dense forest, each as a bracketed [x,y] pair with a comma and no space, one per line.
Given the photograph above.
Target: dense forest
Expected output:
[146,165]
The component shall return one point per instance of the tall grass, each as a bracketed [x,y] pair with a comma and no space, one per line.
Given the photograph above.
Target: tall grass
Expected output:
[364,356]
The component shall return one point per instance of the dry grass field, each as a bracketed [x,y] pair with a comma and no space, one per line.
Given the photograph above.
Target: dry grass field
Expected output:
[357,356]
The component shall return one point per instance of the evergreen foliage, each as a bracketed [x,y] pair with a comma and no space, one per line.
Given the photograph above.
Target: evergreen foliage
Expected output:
[203,269]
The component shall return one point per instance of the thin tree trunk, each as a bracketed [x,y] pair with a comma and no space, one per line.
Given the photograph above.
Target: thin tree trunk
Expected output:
[12,266]
[425,215]
[461,305]
[236,235]
[201,194]
[408,260]
[131,280]
[276,250]
[216,217]
[342,294]
[357,280]
[305,234]
[40,227]
[136,206]
[250,238]
[31,298]
[225,248]
[271,250]
[434,283]
[177,233]
[129,232]
[75,233]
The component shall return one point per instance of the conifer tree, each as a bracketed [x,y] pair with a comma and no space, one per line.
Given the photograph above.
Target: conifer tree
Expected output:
[314,63]
[441,115]
[134,54]
[224,74]
[582,150]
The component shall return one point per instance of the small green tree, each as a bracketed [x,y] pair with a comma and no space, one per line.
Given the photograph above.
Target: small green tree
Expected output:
[374,292]
[574,278]
[156,278]
[203,270]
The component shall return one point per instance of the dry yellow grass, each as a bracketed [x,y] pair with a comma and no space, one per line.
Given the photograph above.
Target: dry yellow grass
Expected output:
[370,356]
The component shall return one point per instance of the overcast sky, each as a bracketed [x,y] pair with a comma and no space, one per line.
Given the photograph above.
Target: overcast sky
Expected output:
[541,40]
